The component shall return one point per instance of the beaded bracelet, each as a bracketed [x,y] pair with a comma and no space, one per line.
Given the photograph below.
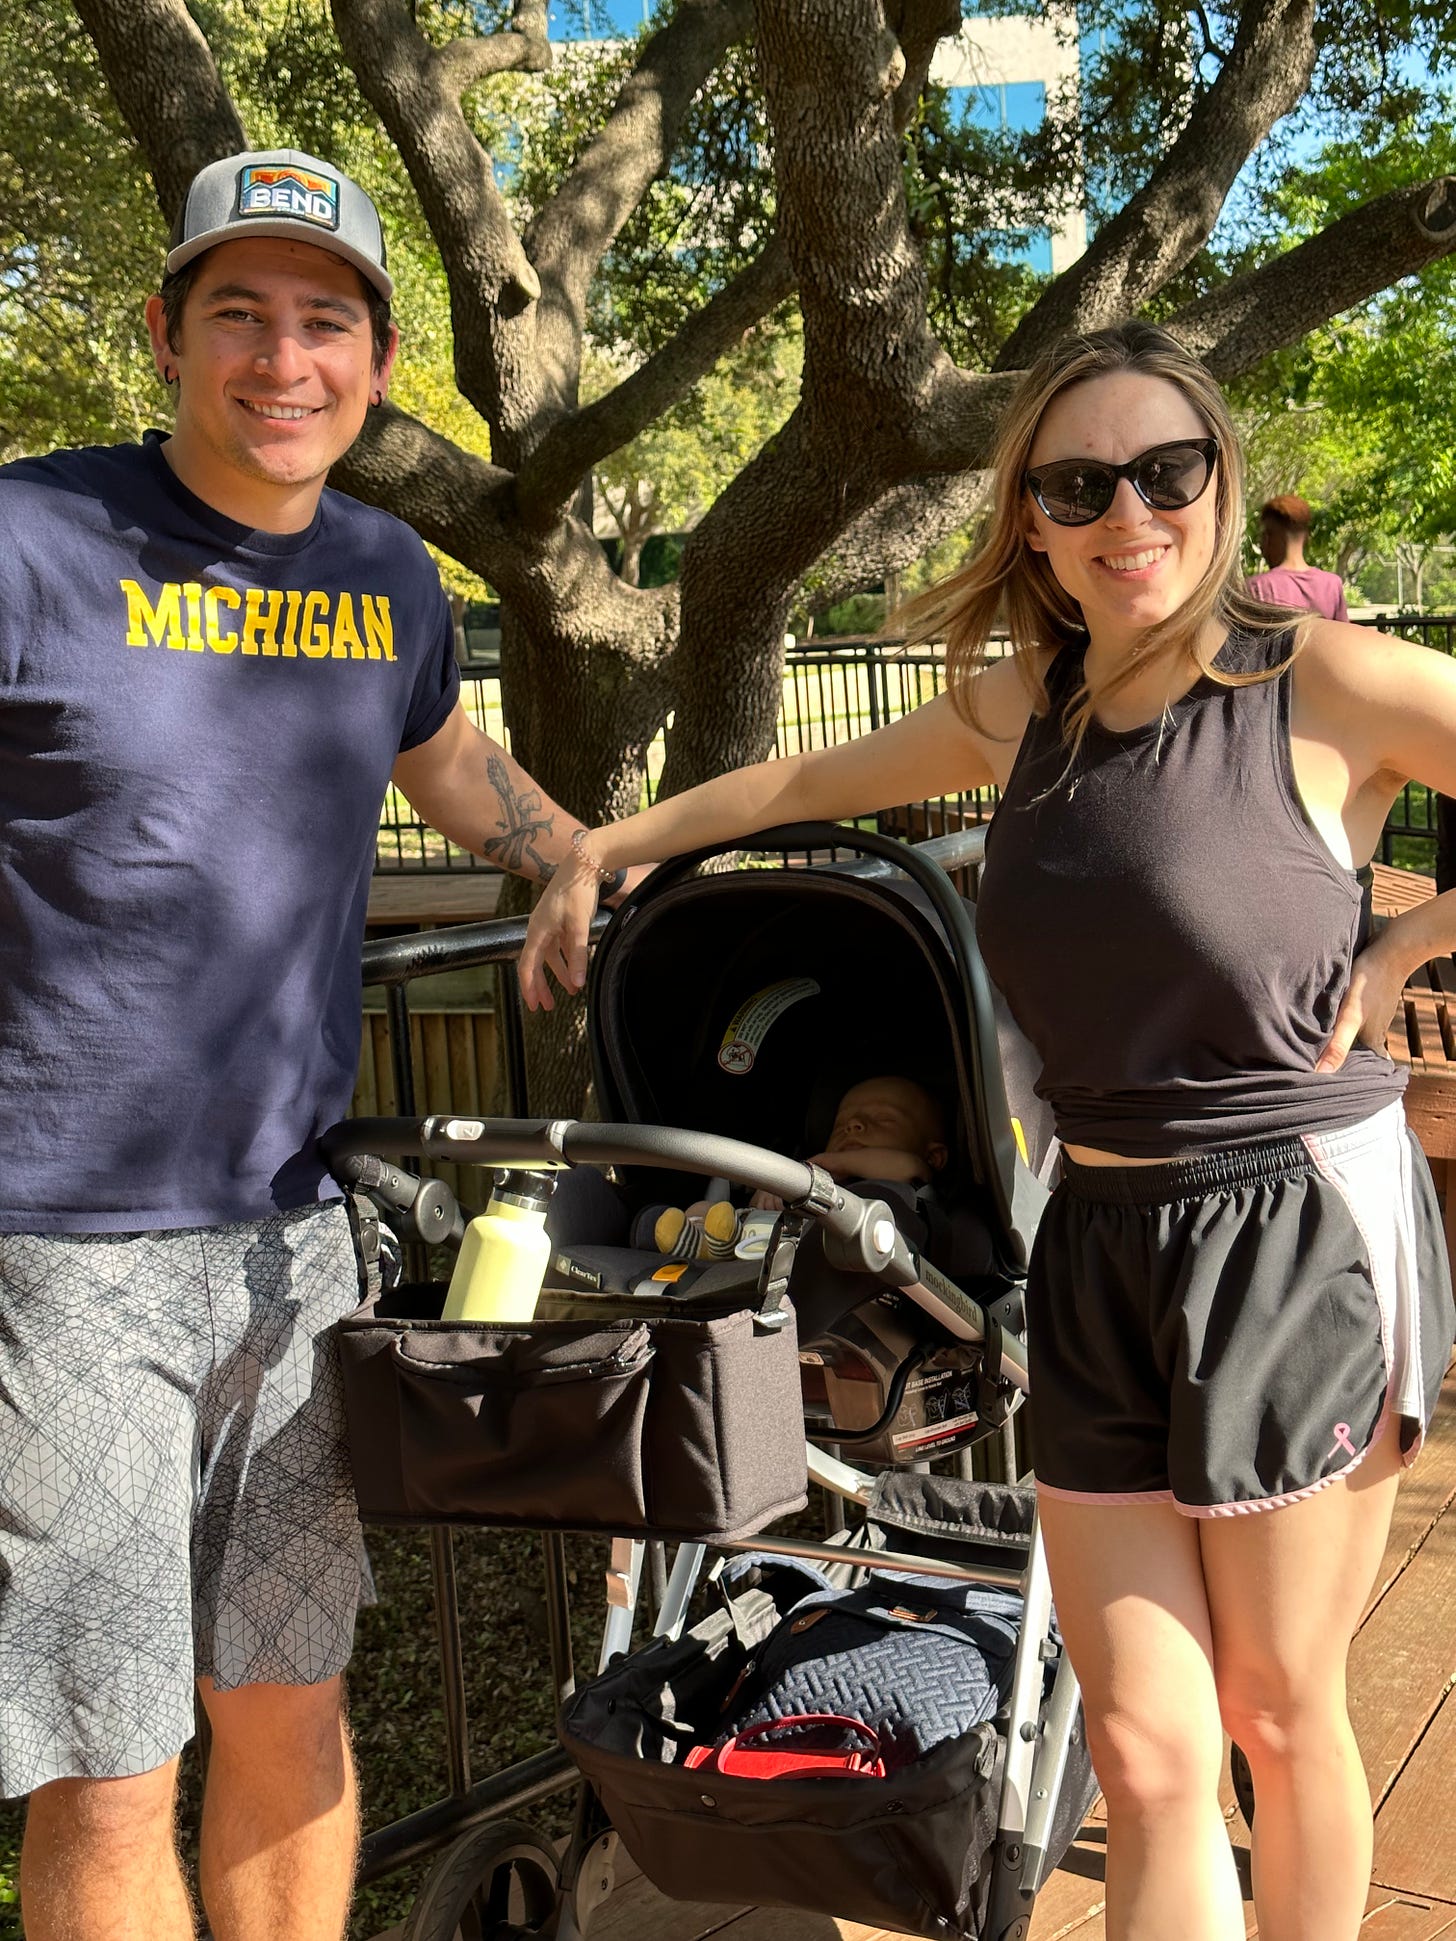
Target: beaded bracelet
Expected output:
[610,880]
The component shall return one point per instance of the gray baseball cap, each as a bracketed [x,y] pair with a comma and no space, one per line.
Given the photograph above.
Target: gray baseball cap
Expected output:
[281,192]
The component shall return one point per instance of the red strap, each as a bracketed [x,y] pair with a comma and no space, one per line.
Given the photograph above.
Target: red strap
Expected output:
[740,1759]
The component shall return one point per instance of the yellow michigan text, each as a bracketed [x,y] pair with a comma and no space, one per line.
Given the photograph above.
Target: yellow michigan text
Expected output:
[276,625]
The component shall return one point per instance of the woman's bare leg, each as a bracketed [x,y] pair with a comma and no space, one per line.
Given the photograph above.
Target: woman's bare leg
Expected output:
[1286,1589]
[1129,1591]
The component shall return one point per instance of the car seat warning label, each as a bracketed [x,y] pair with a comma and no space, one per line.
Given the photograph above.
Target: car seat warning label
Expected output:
[755,1018]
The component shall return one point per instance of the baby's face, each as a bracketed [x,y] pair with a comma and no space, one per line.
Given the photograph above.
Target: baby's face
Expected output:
[888,1112]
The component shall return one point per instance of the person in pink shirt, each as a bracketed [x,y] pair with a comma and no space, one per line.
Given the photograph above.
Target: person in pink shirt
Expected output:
[1290,581]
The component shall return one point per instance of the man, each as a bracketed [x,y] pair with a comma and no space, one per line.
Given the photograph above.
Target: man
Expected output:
[1291,582]
[210,668]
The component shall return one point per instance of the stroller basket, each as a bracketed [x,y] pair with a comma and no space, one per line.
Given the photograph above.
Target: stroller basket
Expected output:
[920,1668]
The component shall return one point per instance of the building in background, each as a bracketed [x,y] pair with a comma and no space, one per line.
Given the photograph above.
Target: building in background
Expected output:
[1001,68]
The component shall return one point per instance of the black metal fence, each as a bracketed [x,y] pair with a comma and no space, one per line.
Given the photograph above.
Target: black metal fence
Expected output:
[1409,836]
[836,689]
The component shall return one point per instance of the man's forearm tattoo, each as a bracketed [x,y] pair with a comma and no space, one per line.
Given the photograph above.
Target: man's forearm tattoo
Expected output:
[521,823]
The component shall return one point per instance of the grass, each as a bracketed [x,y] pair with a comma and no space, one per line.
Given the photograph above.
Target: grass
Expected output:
[10,1824]
[396,1711]
[1416,853]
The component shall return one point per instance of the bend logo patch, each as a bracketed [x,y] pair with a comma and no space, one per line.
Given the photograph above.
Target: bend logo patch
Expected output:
[280,189]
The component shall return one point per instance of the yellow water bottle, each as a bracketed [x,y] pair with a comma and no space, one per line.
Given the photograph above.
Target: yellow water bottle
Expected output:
[504,1253]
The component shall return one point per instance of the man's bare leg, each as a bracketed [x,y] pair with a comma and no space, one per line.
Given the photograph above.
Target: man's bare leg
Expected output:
[280,1826]
[99,1861]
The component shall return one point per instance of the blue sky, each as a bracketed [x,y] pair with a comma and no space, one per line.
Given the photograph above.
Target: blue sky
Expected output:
[595,19]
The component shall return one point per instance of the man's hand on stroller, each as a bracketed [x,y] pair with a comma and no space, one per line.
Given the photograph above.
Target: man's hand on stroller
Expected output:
[556,936]
[560,926]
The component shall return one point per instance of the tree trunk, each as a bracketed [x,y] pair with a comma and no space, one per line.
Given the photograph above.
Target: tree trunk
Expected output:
[457,614]
[630,570]
[581,720]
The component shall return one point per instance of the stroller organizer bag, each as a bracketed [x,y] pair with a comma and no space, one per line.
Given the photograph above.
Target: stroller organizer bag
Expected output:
[683,1423]
[803,1746]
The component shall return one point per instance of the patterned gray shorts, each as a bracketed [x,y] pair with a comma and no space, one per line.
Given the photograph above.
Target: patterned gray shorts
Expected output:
[175,1499]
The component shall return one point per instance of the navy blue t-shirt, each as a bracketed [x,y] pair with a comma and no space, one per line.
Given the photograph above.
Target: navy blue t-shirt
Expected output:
[197,726]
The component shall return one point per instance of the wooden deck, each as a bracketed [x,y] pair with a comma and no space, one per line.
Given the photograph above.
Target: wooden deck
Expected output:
[1402,1666]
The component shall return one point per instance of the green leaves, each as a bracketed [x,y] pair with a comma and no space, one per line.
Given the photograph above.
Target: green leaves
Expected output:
[80,239]
[976,195]
[1361,418]
[704,218]
[668,477]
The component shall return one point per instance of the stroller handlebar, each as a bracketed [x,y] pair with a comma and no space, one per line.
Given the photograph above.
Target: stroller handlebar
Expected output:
[859,1234]
[574,1142]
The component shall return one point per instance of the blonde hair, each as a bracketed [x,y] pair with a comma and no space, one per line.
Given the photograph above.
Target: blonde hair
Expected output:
[1007,580]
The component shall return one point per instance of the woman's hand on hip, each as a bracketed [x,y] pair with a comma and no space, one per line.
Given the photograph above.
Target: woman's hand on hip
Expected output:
[1376,980]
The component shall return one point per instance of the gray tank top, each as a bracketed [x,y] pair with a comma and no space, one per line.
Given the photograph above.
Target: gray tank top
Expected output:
[1168,928]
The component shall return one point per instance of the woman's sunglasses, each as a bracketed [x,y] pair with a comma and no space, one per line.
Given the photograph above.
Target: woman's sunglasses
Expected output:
[1076,491]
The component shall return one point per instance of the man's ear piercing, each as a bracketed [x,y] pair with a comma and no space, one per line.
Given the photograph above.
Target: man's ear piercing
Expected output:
[377,398]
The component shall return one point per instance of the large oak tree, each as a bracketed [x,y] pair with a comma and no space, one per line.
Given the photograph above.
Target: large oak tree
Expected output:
[877,460]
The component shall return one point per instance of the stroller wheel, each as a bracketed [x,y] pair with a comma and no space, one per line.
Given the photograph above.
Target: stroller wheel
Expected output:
[498,1882]
[1243,1783]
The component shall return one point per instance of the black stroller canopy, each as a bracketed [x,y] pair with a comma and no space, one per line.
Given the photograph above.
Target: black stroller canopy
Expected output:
[746,1004]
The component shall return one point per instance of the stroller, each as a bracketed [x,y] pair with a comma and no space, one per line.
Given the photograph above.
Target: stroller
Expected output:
[654,1400]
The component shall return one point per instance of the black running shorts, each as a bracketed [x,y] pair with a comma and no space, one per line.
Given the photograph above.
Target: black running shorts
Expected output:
[1232,1332]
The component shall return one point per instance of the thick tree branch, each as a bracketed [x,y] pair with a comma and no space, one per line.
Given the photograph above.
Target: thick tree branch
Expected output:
[471,58]
[1233,328]
[831,72]
[897,533]
[1169,219]
[574,229]
[558,580]
[920,26]
[415,89]
[956,430]
[574,444]
[166,84]
[457,501]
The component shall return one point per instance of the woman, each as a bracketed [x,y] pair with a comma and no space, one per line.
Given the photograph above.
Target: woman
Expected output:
[1239,1310]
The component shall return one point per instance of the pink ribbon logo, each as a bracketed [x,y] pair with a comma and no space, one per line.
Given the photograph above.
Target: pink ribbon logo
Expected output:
[1342,1440]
